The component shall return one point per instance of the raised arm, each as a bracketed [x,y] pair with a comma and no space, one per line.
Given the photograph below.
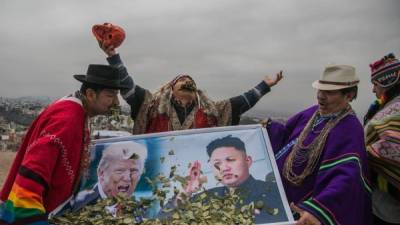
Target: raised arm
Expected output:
[134,95]
[240,104]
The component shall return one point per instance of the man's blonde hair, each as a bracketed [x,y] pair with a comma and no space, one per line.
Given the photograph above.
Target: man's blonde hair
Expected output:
[122,150]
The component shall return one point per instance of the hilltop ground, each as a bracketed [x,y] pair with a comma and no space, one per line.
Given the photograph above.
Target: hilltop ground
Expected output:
[6,159]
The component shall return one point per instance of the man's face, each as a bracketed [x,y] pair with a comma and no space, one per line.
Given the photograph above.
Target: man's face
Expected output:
[102,102]
[231,166]
[120,177]
[332,101]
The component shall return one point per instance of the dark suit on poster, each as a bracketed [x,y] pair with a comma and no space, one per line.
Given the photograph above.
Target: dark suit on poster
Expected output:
[251,190]
[84,199]
[254,190]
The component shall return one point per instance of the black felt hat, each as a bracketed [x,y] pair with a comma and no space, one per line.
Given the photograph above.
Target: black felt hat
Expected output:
[103,75]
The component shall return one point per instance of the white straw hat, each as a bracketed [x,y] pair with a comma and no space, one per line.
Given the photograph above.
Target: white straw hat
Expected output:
[337,77]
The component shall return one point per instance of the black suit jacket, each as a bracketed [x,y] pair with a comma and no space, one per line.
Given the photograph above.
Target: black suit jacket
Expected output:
[251,190]
[88,198]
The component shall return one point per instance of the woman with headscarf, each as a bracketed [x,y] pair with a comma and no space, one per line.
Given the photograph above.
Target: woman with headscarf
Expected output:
[382,137]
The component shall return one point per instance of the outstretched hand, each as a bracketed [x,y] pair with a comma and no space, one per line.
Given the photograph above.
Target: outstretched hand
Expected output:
[272,81]
[265,122]
[109,50]
[306,218]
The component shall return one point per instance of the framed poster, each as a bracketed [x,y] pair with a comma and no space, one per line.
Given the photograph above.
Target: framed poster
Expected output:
[211,160]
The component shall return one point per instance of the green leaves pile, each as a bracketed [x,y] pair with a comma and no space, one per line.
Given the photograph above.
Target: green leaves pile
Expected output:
[204,209]
[210,209]
[96,214]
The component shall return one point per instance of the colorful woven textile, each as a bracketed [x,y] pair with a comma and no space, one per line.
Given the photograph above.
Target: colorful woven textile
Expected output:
[47,165]
[338,190]
[383,142]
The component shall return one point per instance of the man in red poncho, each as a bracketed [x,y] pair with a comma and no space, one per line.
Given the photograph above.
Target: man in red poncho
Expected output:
[54,153]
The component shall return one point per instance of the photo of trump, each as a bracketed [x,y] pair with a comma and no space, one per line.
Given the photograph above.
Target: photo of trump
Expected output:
[118,173]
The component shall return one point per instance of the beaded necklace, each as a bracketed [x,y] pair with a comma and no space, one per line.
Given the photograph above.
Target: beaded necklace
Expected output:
[311,153]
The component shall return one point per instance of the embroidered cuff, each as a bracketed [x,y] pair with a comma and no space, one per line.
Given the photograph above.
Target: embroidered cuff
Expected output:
[319,211]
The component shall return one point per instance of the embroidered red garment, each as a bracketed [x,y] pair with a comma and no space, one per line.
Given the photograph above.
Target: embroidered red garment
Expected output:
[46,167]
[161,122]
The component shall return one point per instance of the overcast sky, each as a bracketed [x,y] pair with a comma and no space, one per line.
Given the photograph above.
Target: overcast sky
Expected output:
[226,45]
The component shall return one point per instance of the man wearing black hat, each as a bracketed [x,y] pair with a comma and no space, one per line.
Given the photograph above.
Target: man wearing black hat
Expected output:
[55,152]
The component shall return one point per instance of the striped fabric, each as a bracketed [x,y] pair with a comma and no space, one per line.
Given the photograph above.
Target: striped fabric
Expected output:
[324,214]
[24,204]
[347,158]
[46,166]
[383,144]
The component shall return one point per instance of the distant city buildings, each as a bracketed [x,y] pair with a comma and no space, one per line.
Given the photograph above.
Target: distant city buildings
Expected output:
[15,117]
[17,114]
[9,136]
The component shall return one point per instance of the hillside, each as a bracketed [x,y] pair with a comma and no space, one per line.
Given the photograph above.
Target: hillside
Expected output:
[6,159]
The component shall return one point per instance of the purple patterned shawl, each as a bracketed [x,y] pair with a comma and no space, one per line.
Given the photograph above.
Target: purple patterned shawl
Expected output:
[338,191]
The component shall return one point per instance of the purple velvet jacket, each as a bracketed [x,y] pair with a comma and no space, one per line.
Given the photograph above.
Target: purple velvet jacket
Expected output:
[338,191]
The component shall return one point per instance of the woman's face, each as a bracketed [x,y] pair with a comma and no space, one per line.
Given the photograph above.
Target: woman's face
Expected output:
[378,90]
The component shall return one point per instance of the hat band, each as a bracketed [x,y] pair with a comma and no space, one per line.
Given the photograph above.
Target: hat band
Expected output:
[338,83]
[106,82]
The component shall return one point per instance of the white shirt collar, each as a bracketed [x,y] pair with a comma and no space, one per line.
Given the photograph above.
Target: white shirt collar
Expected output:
[101,191]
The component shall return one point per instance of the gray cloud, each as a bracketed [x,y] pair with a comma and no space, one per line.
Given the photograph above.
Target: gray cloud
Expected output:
[227,45]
